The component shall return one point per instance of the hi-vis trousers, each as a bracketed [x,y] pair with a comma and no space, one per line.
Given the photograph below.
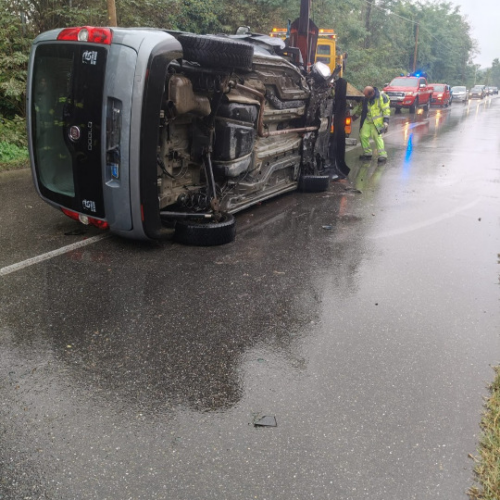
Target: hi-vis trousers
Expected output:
[368,130]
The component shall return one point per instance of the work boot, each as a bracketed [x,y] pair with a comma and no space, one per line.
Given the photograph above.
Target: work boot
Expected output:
[382,159]
[365,157]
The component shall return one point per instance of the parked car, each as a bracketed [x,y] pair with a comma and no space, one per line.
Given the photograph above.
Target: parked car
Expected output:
[478,92]
[460,93]
[492,90]
[409,92]
[441,94]
[142,129]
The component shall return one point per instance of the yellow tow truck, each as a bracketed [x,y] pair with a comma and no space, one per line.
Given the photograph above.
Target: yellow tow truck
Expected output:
[326,50]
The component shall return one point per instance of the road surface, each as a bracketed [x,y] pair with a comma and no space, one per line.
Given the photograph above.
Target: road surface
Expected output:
[365,320]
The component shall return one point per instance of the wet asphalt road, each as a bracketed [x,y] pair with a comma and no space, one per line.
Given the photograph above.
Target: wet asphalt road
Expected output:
[136,371]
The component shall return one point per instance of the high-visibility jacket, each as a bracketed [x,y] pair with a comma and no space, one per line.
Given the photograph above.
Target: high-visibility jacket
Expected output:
[376,110]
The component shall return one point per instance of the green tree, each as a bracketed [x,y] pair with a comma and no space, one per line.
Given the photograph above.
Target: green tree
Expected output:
[14,50]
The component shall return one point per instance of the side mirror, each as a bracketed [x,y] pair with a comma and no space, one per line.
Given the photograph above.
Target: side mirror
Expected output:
[243,30]
[422,85]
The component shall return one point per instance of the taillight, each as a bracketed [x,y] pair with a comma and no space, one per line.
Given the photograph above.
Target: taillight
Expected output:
[70,214]
[348,124]
[87,34]
[84,219]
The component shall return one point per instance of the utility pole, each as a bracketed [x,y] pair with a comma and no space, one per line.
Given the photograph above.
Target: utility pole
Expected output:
[416,50]
[368,23]
[112,13]
[463,67]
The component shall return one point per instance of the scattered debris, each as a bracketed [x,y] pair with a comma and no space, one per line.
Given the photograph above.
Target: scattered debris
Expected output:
[327,227]
[352,189]
[76,232]
[265,421]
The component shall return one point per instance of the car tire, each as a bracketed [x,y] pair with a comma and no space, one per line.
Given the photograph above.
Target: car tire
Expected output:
[414,106]
[216,51]
[314,183]
[205,234]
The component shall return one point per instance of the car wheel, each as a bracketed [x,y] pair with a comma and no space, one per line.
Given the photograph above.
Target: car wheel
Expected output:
[314,183]
[413,107]
[217,52]
[205,234]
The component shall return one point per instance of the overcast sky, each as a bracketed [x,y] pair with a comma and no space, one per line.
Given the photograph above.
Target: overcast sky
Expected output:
[484,18]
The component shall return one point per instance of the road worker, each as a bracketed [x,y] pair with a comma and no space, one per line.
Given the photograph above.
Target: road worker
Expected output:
[374,111]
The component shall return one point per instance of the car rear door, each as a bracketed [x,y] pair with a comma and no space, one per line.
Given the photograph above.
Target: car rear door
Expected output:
[66,122]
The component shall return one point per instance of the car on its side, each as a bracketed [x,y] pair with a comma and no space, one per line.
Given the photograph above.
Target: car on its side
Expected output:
[460,93]
[478,92]
[147,130]
[441,94]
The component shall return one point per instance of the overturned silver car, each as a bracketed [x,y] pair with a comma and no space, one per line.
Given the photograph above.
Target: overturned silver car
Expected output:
[140,130]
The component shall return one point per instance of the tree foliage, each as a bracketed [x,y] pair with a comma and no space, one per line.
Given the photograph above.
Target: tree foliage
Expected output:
[378,35]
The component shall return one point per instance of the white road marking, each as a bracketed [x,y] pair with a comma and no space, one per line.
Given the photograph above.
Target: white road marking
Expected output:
[49,255]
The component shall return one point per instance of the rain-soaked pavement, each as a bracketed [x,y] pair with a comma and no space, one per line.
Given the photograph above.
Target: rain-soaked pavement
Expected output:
[365,320]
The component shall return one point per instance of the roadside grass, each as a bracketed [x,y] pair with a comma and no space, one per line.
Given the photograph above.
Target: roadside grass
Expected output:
[13,143]
[12,157]
[487,467]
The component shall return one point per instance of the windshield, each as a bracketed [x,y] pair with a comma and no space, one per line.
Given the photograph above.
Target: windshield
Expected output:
[323,50]
[458,89]
[404,82]
[438,88]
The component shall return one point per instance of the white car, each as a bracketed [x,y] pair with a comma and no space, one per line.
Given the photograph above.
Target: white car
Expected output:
[460,94]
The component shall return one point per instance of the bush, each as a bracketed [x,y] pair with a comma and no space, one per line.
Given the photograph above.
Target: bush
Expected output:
[10,153]
[13,147]
[14,131]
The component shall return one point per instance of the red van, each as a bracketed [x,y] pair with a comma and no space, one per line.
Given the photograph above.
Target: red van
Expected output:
[441,95]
